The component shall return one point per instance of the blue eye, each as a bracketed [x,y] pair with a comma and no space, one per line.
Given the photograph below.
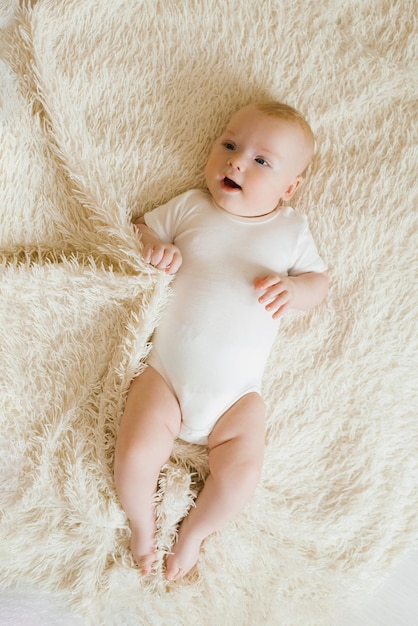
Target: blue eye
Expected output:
[229,146]
[261,161]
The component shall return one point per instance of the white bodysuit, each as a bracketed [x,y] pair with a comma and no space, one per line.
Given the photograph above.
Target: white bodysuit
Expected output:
[214,338]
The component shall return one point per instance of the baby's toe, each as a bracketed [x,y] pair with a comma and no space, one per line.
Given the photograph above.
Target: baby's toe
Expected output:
[145,563]
[174,573]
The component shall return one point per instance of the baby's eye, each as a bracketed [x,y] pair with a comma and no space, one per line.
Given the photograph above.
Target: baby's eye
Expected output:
[229,146]
[261,161]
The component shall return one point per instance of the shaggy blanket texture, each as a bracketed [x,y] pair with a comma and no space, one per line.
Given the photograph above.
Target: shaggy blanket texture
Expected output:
[109,109]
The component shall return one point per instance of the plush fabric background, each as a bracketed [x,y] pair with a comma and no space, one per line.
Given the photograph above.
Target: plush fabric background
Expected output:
[108,109]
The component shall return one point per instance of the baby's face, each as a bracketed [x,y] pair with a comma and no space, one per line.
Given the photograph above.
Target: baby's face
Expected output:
[256,163]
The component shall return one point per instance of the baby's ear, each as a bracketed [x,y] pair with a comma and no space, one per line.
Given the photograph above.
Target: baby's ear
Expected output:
[292,188]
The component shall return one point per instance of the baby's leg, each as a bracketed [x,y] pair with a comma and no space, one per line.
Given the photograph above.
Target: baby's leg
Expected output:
[236,451]
[149,425]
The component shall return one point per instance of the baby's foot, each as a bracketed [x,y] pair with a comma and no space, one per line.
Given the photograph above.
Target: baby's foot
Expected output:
[184,555]
[143,548]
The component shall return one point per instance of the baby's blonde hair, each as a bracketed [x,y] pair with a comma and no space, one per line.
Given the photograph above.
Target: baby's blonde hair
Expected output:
[285,112]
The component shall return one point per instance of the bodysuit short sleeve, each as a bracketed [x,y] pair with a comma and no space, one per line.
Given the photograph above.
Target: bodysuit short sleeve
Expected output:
[306,257]
[166,219]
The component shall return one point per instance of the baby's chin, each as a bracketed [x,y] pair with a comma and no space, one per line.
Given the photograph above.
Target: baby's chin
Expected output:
[232,200]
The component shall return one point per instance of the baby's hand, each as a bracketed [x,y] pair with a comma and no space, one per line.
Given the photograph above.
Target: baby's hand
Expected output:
[278,293]
[163,256]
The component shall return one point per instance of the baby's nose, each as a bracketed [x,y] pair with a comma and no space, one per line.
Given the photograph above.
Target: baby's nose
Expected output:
[236,160]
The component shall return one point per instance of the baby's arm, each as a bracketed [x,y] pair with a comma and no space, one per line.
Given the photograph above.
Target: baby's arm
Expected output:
[161,254]
[301,292]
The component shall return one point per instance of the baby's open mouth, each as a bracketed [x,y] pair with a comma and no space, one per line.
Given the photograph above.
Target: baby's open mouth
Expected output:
[231,184]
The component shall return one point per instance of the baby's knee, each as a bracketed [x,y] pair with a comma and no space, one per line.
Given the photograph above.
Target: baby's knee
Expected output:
[240,460]
[248,469]
[250,472]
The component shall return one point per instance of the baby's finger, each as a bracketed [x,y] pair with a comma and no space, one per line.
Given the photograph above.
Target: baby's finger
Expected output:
[264,282]
[154,255]
[174,264]
[157,258]
[278,305]
[279,312]
[170,261]
[272,293]
[147,253]
[277,302]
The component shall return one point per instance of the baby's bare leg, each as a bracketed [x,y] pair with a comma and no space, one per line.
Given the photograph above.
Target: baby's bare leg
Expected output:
[149,425]
[236,451]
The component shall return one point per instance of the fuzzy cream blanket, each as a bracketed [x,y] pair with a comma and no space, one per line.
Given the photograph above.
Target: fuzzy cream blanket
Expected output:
[110,108]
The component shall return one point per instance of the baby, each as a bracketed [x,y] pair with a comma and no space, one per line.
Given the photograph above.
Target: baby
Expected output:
[241,259]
